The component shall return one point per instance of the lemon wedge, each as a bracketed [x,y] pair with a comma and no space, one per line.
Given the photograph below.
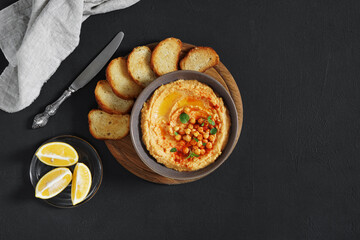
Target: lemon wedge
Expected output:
[52,183]
[57,154]
[81,183]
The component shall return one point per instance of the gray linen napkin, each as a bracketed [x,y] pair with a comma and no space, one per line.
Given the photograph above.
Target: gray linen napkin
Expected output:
[35,37]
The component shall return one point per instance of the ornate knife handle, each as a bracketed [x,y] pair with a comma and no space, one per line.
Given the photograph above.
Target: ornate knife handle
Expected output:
[41,119]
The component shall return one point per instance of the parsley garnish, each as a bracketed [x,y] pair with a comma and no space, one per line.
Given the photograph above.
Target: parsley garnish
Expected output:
[197,140]
[173,150]
[210,121]
[213,131]
[192,154]
[176,133]
[184,118]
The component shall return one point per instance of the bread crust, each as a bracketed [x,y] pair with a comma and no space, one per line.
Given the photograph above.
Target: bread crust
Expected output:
[102,138]
[128,64]
[90,124]
[195,49]
[103,106]
[111,81]
[155,52]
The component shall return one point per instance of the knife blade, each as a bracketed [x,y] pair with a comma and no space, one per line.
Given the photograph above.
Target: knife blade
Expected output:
[98,63]
[41,119]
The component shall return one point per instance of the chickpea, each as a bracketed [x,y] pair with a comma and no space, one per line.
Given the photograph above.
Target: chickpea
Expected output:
[182,142]
[200,137]
[192,120]
[205,141]
[176,128]
[202,151]
[187,138]
[207,131]
[193,142]
[196,133]
[197,151]
[200,120]
[199,144]
[209,145]
[193,130]
[186,150]
[187,131]
[211,138]
[190,126]
[200,129]
[178,137]
[195,147]
[186,110]
[181,132]
[206,135]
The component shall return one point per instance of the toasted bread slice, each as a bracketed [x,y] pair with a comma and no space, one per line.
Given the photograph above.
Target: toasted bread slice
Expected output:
[199,59]
[138,64]
[103,125]
[120,81]
[165,57]
[108,101]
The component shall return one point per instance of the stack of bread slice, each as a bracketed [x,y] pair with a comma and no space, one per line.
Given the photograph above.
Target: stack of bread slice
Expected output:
[126,78]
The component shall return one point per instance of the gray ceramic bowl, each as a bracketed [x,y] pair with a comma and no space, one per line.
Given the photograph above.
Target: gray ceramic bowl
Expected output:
[136,133]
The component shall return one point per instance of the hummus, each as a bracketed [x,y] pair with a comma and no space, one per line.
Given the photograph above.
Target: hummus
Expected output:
[185,125]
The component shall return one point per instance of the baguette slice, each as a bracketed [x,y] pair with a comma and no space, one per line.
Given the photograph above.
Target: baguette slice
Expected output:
[103,125]
[120,81]
[138,64]
[108,101]
[165,57]
[199,59]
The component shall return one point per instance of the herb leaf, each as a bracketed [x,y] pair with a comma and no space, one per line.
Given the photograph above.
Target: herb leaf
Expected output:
[213,131]
[192,154]
[202,124]
[197,140]
[195,155]
[204,144]
[176,133]
[210,121]
[173,150]
[184,118]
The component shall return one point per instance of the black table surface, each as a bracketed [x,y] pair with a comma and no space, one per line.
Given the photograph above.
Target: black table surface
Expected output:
[295,172]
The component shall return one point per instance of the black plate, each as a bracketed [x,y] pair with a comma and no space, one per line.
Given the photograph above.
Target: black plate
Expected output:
[87,155]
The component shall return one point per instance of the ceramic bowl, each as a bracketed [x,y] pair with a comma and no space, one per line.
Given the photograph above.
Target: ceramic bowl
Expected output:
[136,132]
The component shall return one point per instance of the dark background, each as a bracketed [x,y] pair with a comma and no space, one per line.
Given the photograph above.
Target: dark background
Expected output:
[295,172]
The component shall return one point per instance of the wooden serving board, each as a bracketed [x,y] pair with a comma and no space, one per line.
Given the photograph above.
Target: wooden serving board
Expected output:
[124,152]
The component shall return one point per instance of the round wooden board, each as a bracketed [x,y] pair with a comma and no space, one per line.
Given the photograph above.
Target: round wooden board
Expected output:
[124,152]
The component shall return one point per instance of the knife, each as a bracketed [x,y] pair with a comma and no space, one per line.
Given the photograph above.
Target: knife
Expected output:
[86,76]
